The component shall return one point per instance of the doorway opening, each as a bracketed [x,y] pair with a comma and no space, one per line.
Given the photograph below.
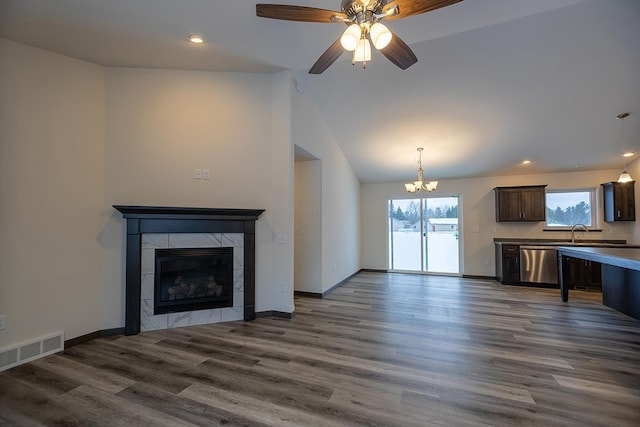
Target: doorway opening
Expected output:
[307,269]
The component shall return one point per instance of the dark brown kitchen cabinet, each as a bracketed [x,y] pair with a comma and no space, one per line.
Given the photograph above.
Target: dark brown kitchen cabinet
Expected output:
[508,263]
[584,274]
[520,204]
[619,201]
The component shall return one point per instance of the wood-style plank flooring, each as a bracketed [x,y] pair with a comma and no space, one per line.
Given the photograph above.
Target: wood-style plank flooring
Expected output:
[384,349]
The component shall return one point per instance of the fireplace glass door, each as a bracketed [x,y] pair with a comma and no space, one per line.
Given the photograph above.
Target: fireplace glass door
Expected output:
[193,279]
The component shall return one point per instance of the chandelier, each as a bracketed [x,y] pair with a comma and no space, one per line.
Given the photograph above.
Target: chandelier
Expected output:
[420,184]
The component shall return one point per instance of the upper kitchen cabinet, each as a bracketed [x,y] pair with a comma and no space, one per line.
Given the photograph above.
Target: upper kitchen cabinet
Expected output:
[619,201]
[524,203]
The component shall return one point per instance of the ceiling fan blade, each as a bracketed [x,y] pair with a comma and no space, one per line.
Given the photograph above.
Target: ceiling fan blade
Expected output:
[416,7]
[298,13]
[399,53]
[327,58]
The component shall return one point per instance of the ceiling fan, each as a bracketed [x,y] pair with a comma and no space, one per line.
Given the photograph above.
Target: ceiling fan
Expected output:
[364,27]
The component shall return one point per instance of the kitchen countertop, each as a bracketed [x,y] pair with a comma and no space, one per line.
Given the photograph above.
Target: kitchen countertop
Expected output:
[625,257]
[566,243]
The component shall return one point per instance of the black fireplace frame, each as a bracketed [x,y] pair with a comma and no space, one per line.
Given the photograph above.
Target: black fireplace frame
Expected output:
[162,219]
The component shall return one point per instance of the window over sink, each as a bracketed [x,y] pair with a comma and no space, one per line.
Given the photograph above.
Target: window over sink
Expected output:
[571,206]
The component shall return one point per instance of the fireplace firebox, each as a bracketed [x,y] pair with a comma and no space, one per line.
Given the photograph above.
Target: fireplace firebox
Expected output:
[189,279]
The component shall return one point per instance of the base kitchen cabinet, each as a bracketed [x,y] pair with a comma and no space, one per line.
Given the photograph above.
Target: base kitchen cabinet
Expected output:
[584,275]
[508,264]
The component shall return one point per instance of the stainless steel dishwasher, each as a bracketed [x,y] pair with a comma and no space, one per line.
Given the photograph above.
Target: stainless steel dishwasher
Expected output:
[539,264]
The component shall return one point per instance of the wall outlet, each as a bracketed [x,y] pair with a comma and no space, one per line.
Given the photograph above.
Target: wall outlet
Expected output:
[487,261]
[198,174]
[205,173]
[3,321]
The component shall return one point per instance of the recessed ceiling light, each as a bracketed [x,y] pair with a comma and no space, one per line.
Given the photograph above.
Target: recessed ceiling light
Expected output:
[525,162]
[628,154]
[196,38]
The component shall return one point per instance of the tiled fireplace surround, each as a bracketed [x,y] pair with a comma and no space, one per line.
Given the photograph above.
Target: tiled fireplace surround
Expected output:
[151,242]
[152,227]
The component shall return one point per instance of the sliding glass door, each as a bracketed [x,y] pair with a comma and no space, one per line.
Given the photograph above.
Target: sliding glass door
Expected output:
[424,235]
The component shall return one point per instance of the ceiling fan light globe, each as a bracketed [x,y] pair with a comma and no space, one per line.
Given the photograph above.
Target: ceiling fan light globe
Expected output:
[380,35]
[363,51]
[350,37]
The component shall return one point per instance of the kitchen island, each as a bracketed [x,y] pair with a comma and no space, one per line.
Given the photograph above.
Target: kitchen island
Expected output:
[620,275]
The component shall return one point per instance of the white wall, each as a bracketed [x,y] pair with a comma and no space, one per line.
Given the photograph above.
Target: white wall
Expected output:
[340,193]
[51,191]
[78,138]
[281,194]
[478,216]
[162,125]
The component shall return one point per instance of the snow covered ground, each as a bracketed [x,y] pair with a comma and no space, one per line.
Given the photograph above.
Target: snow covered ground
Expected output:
[442,251]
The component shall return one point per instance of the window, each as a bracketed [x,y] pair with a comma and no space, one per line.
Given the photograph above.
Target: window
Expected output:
[568,207]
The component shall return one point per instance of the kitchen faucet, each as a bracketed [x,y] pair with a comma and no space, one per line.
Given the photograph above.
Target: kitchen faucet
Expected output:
[573,229]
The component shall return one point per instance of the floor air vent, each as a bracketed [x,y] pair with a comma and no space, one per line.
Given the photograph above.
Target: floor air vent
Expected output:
[26,352]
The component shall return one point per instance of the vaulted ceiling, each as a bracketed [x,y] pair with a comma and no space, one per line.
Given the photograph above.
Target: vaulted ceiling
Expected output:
[497,81]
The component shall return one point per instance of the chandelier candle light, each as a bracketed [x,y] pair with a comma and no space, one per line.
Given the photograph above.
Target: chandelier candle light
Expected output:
[419,184]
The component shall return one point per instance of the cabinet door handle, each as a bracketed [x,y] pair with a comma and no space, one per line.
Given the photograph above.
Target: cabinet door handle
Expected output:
[618,214]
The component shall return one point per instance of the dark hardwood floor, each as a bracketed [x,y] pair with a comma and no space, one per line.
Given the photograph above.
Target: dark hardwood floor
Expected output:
[384,349]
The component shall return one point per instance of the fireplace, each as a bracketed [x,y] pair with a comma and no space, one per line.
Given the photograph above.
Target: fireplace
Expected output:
[151,228]
[189,279]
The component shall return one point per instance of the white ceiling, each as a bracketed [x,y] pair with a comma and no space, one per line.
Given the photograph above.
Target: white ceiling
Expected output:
[497,81]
